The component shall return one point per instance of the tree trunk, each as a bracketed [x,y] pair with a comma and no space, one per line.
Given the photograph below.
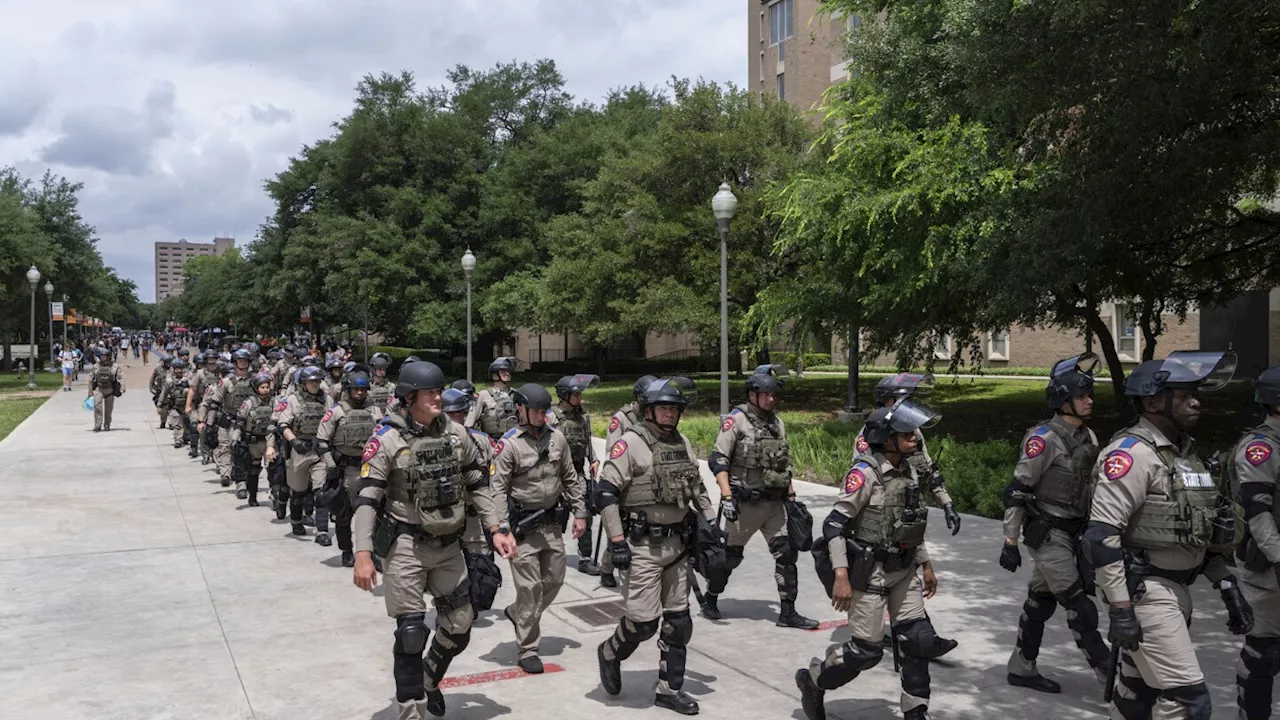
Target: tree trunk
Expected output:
[1152,324]
[1107,343]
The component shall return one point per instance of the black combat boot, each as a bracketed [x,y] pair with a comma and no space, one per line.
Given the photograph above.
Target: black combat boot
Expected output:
[788,617]
[435,703]
[587,566]
[610,671]
[349,558]
[608,580]
[1035,682]
[241,494]
[920,712]
[811,696]
[681,702]
[710,610]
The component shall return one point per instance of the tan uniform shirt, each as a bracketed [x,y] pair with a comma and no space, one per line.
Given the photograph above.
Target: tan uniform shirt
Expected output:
[921,461]
[519,454]
[116,373]
[330,423]
[631,459]
[1258,465]
[620,423]
[1124,479]
[218,397]
[863,488]
[486,404]
[1042,448]
[385,459]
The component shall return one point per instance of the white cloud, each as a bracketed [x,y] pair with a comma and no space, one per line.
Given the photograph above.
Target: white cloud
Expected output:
[173,113]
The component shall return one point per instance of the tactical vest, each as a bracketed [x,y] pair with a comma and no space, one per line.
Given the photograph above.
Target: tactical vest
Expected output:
[354,430]
[1067,484]
[238,390]
[763,460]
[434,482]
[898,523]
[310,413]
[379,395]
[1194,514]
[177,391]
[502,416]
[259,419]
[103,378]
[673,477]
[573,423]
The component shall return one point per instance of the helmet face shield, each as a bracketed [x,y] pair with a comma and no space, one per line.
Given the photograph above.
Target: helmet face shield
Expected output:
[906,416]
[1084,363]
[1206,371]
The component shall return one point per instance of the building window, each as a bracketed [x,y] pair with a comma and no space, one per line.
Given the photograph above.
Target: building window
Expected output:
[782,86]
[852,23]
[999,345]
[780,18]
[1126,332]
[942,347]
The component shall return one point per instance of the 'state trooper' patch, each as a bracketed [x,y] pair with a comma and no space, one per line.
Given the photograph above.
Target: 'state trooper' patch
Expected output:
[861,445]
[618,448]
[370,449]
[853,481]
[1257,452]
[328,414]
[280,406]
[727,425]
[1117,464]
[1035,446]
[614,422]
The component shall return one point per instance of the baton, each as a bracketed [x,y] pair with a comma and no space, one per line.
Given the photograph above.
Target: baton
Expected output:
[595,557]
[1109,690]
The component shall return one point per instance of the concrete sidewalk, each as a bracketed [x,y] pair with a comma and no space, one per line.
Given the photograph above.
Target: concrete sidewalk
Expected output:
[133,586]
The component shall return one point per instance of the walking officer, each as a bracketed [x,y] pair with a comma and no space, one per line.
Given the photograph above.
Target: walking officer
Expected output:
[569,417]
[105,384]
[223,404]
[456,404]
[344,430]
[494,411]
[415,481]
[332,385]
[159,377]
[205,376]
[253,426]
[895,388]
[1047,503]
[382,390]
[296,422]
[1258,557]
[1157,522]
[649,486]
[536,490]
[875,538]
[172,394]
[628,415]
[752,465]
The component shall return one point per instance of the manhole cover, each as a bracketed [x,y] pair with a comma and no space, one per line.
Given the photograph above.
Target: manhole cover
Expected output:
[599,614]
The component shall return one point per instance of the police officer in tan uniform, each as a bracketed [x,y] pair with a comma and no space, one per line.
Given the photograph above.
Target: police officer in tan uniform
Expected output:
[253,426]
[221,408]
[875,540]
[1047,504]
[297,423]
[752,464]
[332,385]
[340,441]
[204,377]
[105,383]
[627,416]
[494,410]
[1158,521]
[171,396]
[569,417]
[889,390]
[537,491]
[1256,467]
[419,469]
[382,390]
[649,486]
[159,378]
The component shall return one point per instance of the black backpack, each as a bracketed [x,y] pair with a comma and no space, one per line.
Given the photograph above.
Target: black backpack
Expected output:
[799,526]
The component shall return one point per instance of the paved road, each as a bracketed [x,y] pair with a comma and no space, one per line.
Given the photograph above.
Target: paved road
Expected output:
[133,586]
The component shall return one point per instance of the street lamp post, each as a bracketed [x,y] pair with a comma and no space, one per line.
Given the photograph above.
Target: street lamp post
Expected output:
[33,277]
[468,267]
[64,321]
[723,206]
[48,296]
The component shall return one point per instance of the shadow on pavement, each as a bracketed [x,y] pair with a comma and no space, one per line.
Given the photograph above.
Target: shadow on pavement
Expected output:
[504,653]
[476,707]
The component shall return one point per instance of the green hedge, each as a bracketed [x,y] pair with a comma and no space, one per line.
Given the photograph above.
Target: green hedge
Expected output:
[811,360]
[635,366]
[941,370]
[398,354]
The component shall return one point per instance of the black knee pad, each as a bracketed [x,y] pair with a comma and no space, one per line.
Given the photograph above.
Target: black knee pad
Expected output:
[916,638]
[411,634]
[642,630]
[1261,656]
[915,676]
[1195,698]
[861,655]
[308,503]
[1040,606]
[733,554]
[677,628]
[782,550]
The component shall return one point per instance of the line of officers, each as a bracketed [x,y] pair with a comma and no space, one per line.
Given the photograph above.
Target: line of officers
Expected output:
[439,478]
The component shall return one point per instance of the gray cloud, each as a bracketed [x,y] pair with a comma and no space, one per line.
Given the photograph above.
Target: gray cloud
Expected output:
[113,139]
[270,115]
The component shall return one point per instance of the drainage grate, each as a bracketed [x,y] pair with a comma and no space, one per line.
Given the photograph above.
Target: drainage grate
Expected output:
[598,614]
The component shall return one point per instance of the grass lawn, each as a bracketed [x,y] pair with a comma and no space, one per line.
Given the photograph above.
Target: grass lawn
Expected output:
[14,410]
[11,382]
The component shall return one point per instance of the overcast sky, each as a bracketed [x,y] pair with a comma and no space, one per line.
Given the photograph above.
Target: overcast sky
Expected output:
[173,112]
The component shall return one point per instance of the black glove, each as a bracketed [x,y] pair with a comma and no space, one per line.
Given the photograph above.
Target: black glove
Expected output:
[1125,630]
[299,445]
[620,553]
[1239,614]
[1010,558]
[729,508]
[953,518]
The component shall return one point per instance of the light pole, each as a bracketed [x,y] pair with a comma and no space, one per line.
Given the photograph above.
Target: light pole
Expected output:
[468,267]
[64,321]
[33,277]
[723,205]
[48,296]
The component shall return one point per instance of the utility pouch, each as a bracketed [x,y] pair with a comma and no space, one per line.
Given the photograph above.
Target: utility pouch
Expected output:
[1035,532]
[862,563]
[1254,559]
[384,535]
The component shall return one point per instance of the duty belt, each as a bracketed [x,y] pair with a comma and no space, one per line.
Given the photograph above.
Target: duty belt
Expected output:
[426,538]
[894,559]
[225,421]
[1071,526]
[752,496]
[639,530]
[1182,577]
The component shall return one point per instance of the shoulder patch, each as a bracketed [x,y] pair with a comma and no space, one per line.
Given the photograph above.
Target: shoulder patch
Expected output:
[497,449]
[1128,442]
[618,448]
[1035,446]
[383,429]
[1257,452]
[328,415]
[861,444]
[280,406]
[727,425]
[510,433]
[1117,464]
[614,422]
[854,481]
[370,449]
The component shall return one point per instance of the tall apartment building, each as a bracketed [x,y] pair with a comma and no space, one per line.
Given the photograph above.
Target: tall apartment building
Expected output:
[171,256]
[793,52]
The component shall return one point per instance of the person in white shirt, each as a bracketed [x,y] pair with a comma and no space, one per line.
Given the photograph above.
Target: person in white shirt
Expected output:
[68,359]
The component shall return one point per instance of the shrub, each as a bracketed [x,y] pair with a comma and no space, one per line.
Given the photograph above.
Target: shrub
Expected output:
[976,473]
[811,360]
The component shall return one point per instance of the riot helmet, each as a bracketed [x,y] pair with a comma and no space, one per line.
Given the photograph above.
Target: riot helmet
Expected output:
[465,386]
[902,385]
[260,379]
[499,364]
[308,374]
[242,354]
[183,352]
[1266,389]
[333,364]
[310,361]
[455,400]
[1070,379]
[411,359]
[199,358]
[178,364]
[901,417]
[532,396]
[421,375]
[167,360]
[356,384]
[678,391]
[1182,370]
[766,379]
[570,384]
[224,368]
[638,390]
